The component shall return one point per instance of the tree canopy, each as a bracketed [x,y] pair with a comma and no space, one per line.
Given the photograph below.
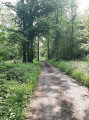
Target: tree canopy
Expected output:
[55,24]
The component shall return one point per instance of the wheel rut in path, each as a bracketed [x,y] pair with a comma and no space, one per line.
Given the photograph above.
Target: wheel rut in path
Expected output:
[58,97]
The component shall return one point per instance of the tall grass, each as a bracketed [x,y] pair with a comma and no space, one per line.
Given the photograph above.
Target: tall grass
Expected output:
[77,69]
[17,83]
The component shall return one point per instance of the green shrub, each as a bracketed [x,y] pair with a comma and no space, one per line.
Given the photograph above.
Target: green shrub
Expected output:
[17,83]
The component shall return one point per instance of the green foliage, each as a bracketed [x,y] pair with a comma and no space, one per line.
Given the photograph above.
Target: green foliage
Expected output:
[17,83]
[8,51]
[27,14]
[84,30]
[77,69]
[64,35]
[86,58]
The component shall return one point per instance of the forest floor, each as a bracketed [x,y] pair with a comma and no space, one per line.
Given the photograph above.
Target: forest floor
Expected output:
[58,97]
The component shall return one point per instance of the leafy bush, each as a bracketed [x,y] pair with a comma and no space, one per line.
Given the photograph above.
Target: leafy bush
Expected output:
[17,83]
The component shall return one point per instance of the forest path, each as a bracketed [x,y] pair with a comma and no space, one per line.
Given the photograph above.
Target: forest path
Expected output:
[58,97]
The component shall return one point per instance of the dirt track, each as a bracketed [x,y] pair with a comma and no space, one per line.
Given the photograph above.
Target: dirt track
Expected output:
[58,97]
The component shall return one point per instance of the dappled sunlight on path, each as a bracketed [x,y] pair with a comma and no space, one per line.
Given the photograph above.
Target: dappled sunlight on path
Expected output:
[58,97]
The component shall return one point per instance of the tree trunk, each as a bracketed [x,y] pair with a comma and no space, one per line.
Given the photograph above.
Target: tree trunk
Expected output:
[38,49]
[72,40]
[31,51]
[28,52]
[24,52]
[48,47]
[56,38]
[34,50]
[24,43]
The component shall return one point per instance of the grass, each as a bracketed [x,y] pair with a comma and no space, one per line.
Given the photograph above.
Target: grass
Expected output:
[85,58]
[77,69]
[17,83]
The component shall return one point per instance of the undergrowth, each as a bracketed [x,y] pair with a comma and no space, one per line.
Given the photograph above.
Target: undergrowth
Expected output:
[77,69]
[17,83]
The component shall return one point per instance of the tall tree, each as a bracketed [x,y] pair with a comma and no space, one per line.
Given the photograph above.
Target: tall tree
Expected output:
[27,13]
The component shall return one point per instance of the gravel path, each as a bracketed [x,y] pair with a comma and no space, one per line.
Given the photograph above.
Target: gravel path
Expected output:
[58,97]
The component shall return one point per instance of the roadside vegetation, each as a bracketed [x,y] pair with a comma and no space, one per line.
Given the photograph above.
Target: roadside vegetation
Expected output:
[77,69]
[17,83]
[39,29]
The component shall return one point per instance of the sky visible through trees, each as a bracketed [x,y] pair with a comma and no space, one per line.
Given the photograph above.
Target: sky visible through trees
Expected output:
[34,30]
[59,22]
[83,4]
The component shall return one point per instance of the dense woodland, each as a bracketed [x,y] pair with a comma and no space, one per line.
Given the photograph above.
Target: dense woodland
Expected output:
[51,29]
[31,30]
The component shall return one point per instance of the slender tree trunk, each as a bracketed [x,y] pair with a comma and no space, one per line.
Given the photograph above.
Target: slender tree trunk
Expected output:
[57,44]
[48,47]
[24,52]
[24,43]
[67,47]
[28,52]
[57,37]
[61,17]
[38,49]
[72,40]
[31,51]
[34,49]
